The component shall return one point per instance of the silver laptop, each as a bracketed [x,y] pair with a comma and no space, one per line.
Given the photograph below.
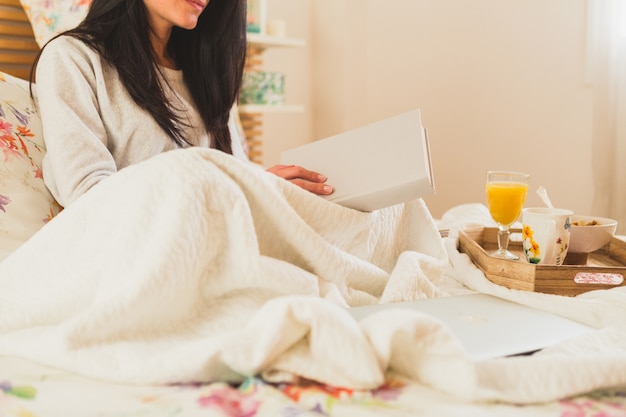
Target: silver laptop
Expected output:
[490,327]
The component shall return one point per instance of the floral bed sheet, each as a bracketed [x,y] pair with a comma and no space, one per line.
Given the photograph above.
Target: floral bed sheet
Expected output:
[30,390]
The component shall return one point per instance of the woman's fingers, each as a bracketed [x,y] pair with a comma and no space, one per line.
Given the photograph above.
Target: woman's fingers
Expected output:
[314,187]
[309,180]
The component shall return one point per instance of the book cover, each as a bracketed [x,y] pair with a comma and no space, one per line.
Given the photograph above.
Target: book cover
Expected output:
[374,166]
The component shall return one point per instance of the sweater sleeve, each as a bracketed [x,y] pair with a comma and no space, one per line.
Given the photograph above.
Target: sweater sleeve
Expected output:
[236,136]
[77,157]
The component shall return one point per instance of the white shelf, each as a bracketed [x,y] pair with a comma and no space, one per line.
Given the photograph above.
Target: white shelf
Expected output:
[263,108]
[252,114]
[265,41]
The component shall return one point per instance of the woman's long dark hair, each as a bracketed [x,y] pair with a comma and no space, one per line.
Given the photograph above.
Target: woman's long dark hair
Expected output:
[211,57]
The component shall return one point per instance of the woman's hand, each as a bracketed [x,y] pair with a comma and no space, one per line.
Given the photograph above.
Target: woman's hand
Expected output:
[309,180]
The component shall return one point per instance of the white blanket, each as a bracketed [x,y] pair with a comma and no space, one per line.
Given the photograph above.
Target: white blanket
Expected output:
[194,266]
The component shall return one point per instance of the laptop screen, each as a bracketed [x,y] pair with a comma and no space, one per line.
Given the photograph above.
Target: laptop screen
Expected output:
[489,327]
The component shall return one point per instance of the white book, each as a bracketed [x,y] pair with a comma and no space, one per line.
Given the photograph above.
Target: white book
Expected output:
[374,166]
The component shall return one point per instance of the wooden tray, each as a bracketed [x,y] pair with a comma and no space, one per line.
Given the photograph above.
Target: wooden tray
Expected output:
[602,269]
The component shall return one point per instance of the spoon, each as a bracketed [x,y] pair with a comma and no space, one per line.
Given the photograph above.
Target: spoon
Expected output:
[543,193]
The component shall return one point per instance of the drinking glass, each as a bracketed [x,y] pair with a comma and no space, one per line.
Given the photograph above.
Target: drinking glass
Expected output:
[506,195]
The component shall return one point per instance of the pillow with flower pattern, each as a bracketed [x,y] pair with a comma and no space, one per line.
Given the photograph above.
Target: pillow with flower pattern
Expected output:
[25,202]
[49,18]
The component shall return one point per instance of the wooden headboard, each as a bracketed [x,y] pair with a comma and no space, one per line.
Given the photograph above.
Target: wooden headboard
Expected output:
[18,48]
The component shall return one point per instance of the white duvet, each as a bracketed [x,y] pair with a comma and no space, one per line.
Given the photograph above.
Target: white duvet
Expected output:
[194,266]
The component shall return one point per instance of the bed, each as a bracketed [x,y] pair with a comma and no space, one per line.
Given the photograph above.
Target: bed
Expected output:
[257,324]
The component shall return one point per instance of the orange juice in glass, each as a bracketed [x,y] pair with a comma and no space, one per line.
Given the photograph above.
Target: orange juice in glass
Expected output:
[506,193]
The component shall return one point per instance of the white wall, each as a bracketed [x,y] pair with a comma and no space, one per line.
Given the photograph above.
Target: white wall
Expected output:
[500,85]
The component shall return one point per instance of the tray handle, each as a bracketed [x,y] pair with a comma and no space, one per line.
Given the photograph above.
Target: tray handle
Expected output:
[598,278]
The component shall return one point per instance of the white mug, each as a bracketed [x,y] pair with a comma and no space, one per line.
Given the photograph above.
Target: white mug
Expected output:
[545,234]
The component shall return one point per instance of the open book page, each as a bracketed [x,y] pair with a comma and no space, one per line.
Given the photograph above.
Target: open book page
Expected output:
[374,166]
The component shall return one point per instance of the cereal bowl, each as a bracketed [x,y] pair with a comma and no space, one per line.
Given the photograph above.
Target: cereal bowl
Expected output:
[590,233]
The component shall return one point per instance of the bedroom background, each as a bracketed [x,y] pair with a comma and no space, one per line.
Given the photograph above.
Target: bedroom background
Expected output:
[501,85]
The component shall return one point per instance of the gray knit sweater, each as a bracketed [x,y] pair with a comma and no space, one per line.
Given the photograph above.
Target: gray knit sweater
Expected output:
[91,125]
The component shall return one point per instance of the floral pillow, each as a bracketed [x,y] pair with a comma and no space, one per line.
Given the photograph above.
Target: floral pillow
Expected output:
[25,202]
[50,17]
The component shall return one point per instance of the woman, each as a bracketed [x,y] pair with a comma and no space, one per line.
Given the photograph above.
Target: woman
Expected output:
[140,77]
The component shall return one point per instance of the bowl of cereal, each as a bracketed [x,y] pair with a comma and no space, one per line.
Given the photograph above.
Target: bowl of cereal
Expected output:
[590,233]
